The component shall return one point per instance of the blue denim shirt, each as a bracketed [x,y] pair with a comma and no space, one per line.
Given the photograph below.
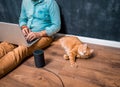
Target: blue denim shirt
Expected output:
[40,15]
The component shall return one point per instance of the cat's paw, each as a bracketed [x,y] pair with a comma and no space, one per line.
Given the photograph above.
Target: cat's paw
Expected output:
[74,65]
[66,57]
[78,56]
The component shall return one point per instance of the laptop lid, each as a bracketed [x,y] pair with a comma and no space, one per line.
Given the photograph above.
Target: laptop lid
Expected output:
[12,33]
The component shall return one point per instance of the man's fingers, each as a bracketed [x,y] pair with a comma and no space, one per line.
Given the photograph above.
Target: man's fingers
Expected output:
[31,36]
[26,31]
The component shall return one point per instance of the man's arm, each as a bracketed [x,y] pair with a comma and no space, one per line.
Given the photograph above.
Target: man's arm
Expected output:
[55,19]
[23,18]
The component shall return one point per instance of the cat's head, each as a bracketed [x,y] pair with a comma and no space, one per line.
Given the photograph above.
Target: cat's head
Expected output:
[84,51]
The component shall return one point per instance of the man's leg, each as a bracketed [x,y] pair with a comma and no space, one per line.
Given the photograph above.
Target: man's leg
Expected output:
[13,58]
[5,48]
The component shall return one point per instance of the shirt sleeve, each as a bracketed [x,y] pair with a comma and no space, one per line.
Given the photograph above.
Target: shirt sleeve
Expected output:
[55,19]
[23,17]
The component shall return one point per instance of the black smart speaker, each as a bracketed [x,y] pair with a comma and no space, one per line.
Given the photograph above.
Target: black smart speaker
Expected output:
[39,58]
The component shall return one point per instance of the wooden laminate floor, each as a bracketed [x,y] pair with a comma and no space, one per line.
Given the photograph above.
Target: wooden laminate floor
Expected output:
[102,70]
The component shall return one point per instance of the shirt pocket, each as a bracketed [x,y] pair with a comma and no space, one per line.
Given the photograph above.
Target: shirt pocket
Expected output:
[42,14]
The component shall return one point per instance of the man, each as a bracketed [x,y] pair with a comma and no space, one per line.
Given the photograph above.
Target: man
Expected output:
[38,19]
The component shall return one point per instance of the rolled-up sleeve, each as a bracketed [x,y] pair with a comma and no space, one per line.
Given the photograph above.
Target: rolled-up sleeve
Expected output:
[23,18]
[55,19]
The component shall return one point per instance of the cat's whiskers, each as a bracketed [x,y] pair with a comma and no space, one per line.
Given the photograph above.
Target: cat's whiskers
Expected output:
[81,53]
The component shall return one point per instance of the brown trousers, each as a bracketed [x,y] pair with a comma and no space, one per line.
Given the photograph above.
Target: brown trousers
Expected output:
[11,56]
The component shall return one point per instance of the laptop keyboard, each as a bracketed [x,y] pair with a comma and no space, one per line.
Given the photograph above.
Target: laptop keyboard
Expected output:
[29,42]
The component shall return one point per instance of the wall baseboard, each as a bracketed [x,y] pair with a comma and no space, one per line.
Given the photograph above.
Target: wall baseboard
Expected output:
[109,43]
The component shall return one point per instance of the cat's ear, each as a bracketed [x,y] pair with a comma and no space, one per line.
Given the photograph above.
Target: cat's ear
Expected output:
[91,50]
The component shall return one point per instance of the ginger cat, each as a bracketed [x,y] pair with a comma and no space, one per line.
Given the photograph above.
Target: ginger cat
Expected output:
[74,48]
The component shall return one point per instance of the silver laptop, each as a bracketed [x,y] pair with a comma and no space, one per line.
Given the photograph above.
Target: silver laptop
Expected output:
[12,33]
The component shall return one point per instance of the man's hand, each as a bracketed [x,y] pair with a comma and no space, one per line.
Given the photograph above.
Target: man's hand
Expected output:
[33,35]
[26,31]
